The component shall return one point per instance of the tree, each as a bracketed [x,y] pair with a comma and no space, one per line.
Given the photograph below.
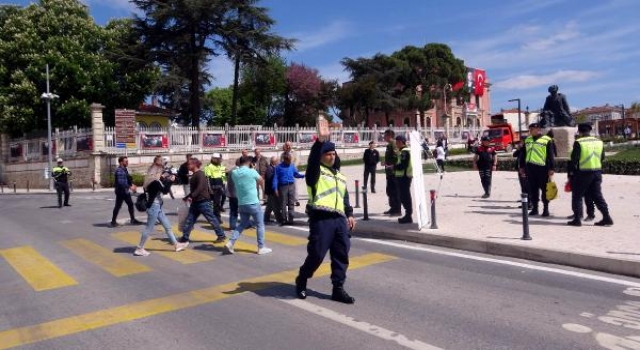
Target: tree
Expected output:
[262,89]
[184,35]
[306,95]
[61,33]
[218,101]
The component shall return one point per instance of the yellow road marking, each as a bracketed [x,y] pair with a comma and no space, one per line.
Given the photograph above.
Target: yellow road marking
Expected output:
[134,311]
[37,270]
[240,247]
[165,249]
[106,259]
[274,237]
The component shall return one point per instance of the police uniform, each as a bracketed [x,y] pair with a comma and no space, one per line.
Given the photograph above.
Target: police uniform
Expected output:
[404,174]
[61,175]
[328,209]
[585,172]
[484,161]
[537,160]
[217,176]
[390,160]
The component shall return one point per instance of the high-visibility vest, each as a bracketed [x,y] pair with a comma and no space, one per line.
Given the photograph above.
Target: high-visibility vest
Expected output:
[537,150]
[408,172]
[591,149]
[213,171]
[328,193]
[60,173]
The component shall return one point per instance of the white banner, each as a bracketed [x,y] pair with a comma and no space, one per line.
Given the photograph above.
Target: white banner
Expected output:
[420,203]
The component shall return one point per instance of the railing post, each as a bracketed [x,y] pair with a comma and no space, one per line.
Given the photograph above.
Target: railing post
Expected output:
[434,224]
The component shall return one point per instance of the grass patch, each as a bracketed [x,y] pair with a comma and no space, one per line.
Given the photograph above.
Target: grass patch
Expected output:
[628,154]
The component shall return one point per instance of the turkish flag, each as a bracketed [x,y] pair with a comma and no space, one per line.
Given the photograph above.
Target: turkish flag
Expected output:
[479,77]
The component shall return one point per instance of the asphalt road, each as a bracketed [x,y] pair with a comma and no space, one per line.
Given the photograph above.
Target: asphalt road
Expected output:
[407,296]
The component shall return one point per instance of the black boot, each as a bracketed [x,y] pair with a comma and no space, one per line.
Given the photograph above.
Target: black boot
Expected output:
[590,217]
[606,221]
[574,222]
[534,210]
[340,295]
[405,220]
[545,210]
[301,288]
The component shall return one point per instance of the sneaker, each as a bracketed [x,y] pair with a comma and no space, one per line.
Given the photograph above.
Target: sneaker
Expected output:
[141,252]
[340,295]
[301,288]
[113,224]
[229,247]
[264,251]
[135,222]
[220,239]
[181,246]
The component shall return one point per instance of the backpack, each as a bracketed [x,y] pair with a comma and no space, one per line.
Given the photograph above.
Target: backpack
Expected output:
[141,202]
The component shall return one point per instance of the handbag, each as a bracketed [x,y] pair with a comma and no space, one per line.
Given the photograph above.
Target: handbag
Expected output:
[551,190]
[141,202]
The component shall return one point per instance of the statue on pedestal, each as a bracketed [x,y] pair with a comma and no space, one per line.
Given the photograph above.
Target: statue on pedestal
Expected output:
[556,110]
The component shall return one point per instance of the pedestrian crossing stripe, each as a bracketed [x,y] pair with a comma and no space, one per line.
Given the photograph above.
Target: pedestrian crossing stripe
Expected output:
[142,309]
[165,249]
[104,258]
[40,273]
[197,236]
[275,237]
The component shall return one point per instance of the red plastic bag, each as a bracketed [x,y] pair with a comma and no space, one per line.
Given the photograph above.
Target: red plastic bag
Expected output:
[567,186]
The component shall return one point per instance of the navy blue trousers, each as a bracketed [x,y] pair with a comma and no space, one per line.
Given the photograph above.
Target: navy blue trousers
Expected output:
[328,234]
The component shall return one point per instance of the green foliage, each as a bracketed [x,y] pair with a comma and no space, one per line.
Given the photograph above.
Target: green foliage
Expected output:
[87,63]
[137,179]
[218,100]
[629,154]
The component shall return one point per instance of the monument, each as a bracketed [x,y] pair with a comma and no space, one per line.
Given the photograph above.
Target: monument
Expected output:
[556,114]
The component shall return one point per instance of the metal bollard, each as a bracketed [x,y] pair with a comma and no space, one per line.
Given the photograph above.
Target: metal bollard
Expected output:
[525,217]
[365,204]
[434,225]
[27,186]
[357,194]
[14,187]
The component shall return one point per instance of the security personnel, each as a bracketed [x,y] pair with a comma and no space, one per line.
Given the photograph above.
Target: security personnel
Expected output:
[403,171]
[390,160]
[61,175]
[537,164]
[330,217]
[585,174]
[216,173]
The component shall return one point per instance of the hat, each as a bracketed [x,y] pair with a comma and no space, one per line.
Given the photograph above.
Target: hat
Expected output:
[534,125]
[328,147]
[584,127]
[485,138]
[401,138]
[216,155]
[59,160]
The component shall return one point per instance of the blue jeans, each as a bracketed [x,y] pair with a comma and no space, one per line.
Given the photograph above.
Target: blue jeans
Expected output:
[204,208]
[247,213]
[154,214]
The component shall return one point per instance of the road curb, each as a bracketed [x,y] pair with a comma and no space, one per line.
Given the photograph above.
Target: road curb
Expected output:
[584,261]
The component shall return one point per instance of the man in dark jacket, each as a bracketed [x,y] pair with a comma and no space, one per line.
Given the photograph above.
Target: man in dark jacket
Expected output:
[273,203]
[390,160]
[123,188]
[183,175]
[370,158]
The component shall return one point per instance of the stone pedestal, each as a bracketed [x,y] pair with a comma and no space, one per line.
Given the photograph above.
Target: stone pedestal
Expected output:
[564,136]
[97,127]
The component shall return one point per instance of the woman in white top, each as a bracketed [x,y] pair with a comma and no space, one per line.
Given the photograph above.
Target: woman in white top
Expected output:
[440,155]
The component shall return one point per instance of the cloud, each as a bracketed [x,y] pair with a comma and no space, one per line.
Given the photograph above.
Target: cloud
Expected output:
[569,32]
[335,31]
[523,82]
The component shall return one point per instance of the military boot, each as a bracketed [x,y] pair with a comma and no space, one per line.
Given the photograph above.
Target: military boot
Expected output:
[545,210]
[606,221]
[534,210]
[301,288]
[340,295]
[575,222]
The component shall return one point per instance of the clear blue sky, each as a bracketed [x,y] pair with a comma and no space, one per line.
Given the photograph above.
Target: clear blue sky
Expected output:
[587,47]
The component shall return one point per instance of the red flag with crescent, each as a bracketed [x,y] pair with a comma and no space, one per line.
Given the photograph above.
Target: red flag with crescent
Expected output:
[479,78]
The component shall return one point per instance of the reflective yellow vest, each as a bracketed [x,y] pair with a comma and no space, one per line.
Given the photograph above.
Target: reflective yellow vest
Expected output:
[329,192]
[537,150]
[213,171]
[591,149]
[408,172]
[60,173]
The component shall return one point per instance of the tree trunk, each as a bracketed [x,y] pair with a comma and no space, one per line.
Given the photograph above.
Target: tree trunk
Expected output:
[234,99]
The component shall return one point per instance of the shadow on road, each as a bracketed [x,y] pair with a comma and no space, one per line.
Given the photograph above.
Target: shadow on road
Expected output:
[50,207]
[124,250]
[276,290]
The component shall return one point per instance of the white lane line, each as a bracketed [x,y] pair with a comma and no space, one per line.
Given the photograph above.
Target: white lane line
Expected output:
[366,327]
[511,263]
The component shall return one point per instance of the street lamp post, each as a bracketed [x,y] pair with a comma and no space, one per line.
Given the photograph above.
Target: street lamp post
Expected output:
[49,96]
[519,112]
[446,113]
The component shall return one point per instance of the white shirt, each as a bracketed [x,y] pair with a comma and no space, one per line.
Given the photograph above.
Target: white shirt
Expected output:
[440,153]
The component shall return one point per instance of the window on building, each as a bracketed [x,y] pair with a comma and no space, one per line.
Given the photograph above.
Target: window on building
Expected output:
[391,122]
[407,122]
[428,122]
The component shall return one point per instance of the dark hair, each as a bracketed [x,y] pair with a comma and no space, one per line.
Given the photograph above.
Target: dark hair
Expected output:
[550,133]
[196,161]
[189,155]
[244,160]
[371,143]
[121,159]
[390,132]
